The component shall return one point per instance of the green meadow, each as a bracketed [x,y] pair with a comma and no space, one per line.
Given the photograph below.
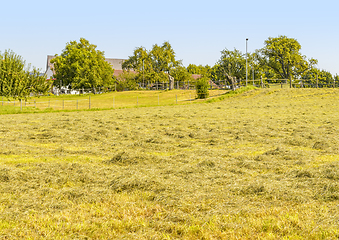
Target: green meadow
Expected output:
[250,164]
[113,100]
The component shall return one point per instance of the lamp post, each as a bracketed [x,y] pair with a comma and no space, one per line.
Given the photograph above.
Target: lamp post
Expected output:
[246,60]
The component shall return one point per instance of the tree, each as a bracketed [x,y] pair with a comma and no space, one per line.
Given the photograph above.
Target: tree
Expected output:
[80,65]
[201,87]
[153,65]
[163,58]
[325,79]
[17,81]
[127,80]
[233,63]
[181,74]
[282,55]
[201,70]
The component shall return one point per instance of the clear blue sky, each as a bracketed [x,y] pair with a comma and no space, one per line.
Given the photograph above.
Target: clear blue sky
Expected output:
[197,30]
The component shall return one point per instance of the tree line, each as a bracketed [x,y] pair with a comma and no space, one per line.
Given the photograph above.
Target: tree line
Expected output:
[81,65]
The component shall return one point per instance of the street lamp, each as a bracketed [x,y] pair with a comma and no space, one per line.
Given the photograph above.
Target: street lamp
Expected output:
[246,60]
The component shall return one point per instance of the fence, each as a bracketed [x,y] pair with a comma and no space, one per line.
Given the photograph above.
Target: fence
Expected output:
[99,101]
[156,86]
[289,83]
[214,84]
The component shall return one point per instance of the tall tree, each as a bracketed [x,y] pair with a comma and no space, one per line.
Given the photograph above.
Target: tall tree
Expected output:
[233,63]
[17,80]
[80,65]
[163,58]
[153,65]
[282,55]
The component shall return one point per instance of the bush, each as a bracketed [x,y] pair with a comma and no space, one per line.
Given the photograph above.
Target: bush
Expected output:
[202,86]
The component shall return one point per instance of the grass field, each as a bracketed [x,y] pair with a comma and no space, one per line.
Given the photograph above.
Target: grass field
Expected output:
[262,164]
[113,100]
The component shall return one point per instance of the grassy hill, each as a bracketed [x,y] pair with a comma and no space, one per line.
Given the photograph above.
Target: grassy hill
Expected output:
[261,164]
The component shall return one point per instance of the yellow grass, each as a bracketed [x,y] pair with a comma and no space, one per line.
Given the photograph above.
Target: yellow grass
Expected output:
[260,164]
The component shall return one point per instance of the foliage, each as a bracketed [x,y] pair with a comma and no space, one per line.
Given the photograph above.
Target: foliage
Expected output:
[201,70]
[127,80]
[163,58]
[16,81]
[80,65]
[325,78]
[233,63]
[282,55]
[202,85]
[154,65]
[181,74]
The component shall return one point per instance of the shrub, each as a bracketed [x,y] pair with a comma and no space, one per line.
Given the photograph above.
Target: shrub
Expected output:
[202,86]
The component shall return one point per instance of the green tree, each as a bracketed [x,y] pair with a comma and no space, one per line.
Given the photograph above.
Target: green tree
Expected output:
[17,80]
[325,78]
[127,80]
[80,65]
[163,58]
[282,55]
[200,69]
[180,73]
[153,65]
[201,87]
[233,63]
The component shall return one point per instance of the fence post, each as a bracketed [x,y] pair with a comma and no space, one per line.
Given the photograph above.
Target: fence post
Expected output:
[261,82]
[89,102]
[281,84]
[20,104]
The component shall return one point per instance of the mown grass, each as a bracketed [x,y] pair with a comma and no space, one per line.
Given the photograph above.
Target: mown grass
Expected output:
[261,164]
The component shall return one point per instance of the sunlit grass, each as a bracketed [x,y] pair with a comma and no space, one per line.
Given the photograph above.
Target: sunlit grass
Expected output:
[254,164]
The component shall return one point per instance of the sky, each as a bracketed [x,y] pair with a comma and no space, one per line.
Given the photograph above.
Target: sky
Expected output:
[197,30]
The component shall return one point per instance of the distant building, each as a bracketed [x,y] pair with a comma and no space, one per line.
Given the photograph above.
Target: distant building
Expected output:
[115,63]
